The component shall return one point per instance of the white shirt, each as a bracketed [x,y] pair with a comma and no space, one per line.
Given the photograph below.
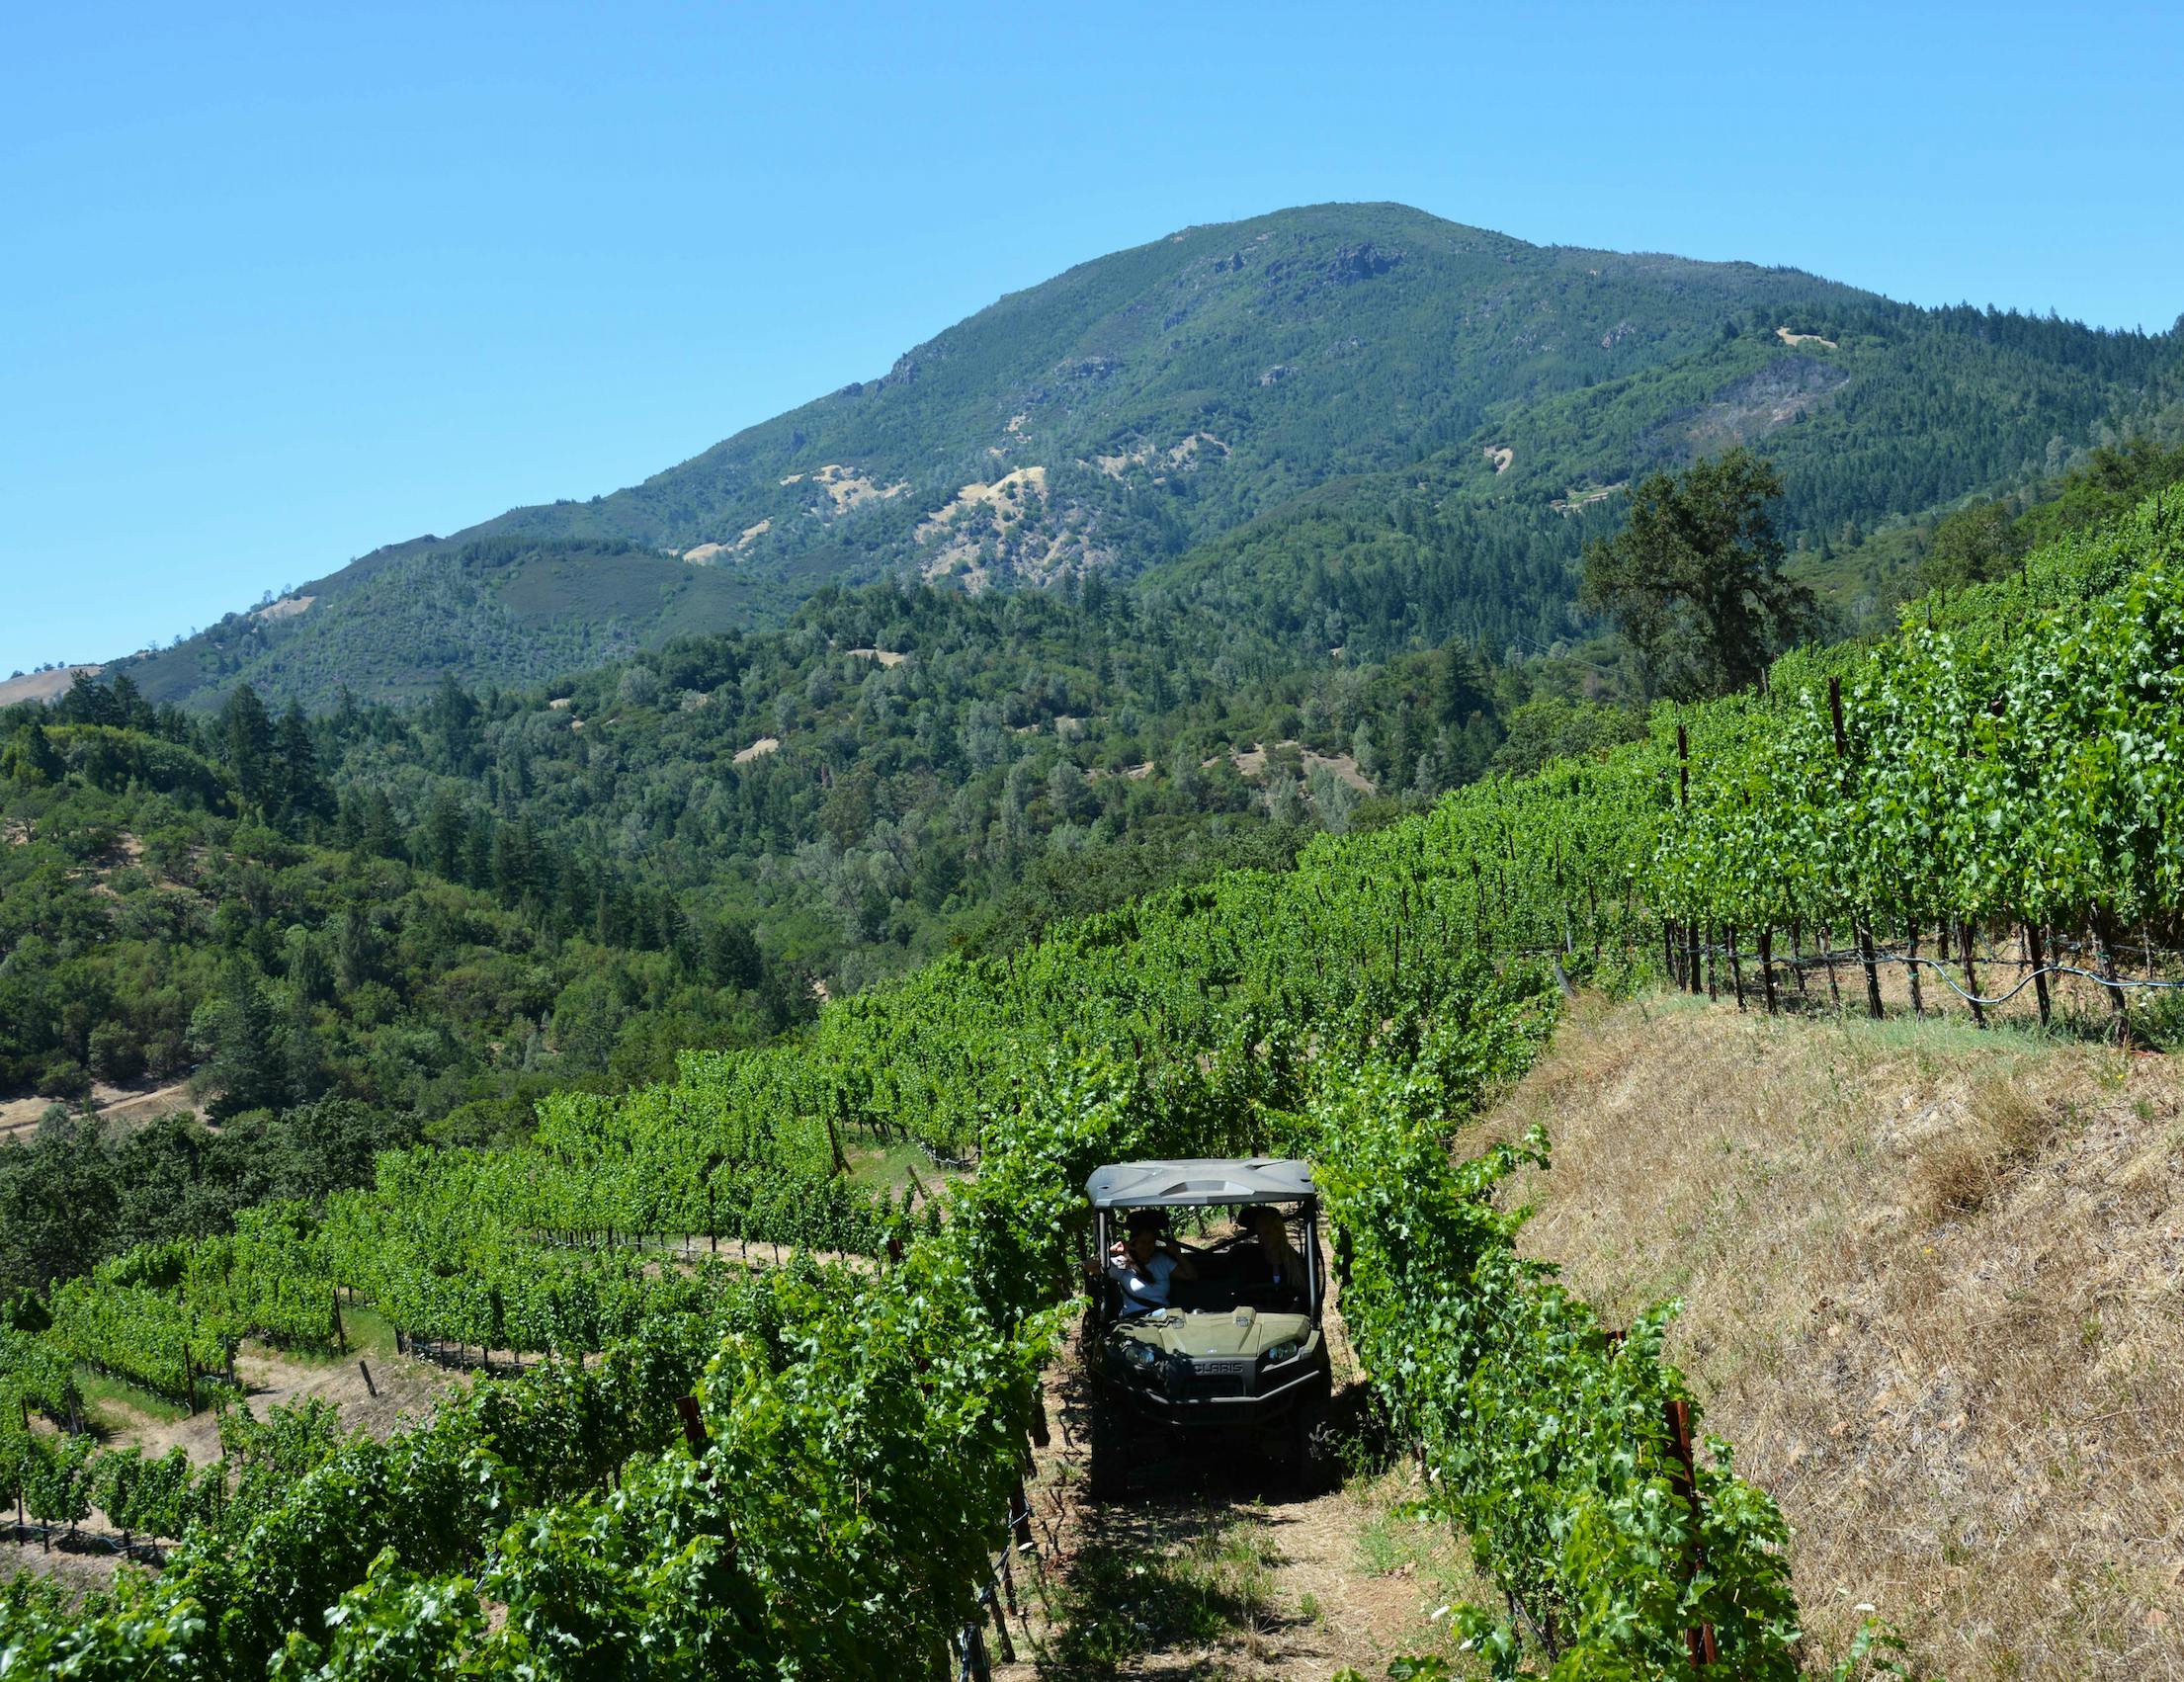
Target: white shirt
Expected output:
[1141,1293]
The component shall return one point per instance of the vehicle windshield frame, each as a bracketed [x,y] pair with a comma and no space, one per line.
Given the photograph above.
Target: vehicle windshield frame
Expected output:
[1305,1210]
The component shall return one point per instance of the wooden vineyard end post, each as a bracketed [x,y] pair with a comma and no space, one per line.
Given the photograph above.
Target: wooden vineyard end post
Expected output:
[1698,1640]
[693,1425]
[2104,966]
[2039,967]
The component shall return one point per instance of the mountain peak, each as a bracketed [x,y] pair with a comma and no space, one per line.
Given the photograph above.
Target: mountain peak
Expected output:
[1157,398]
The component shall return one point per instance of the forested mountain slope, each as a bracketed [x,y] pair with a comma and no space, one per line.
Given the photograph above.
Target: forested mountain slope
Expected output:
[1429,409]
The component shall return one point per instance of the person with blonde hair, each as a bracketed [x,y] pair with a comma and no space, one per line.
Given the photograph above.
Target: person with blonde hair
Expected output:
[1277,1259]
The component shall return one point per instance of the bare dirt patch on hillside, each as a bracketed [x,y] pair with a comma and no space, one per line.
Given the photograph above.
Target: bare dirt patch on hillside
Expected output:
[406,1389]
[849,488]
[1501,455]
[1585,498]
[1251,763]
[1009,496]
[1794,339]
[144,1101]
[1934,1282]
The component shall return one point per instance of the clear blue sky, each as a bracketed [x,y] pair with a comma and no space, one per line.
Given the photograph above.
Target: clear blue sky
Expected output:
[279,286]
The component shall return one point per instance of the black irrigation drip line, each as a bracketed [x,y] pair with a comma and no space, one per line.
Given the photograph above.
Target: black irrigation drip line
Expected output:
[1850,956]
[2118,982]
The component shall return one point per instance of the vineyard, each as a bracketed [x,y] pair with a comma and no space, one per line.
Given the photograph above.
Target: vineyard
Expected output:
[2011,768]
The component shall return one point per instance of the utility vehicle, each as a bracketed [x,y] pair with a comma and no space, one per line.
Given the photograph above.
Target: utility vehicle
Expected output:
[1237,1352]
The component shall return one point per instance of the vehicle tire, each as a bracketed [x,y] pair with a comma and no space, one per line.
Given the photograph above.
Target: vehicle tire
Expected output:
[1105,1475]
[1312,1448]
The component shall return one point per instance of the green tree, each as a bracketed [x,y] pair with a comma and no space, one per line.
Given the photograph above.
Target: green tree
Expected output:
[1695,580]
[246,733]
[300,789]
[241,1041]
[130,710]
[33,758]
[1972,546]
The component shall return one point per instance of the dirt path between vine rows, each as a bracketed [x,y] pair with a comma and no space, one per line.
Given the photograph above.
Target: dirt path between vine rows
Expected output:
[1209,1569]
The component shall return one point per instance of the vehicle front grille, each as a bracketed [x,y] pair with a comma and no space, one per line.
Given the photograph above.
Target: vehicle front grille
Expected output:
[1218,1379]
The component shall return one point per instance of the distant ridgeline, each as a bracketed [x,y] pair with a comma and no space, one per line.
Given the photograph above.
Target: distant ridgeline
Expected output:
[1372,429]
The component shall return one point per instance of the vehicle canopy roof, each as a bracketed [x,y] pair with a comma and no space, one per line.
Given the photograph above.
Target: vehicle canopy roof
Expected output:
[1192,1182]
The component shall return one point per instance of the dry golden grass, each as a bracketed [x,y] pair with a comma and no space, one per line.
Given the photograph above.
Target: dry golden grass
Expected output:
[1932,1295]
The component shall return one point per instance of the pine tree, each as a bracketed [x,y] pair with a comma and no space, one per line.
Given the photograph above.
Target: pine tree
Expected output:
[35,760]
[299,791]
[130,710]
[246,734]
[245,1060]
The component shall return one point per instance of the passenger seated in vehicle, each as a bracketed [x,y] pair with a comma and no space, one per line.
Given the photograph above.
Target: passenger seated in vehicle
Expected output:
[1273,1260]
[1148,1263]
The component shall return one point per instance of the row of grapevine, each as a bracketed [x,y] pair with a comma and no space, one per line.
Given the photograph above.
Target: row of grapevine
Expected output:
[58,1479]
[140,1334]
[1548,1442]
[37,1376]
[1954,776]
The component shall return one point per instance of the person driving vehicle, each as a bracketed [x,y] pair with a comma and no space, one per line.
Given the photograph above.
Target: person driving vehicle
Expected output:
[1146,1263]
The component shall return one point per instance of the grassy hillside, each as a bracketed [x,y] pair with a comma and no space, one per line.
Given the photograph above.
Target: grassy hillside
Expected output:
[1930,1292]
[1443,400]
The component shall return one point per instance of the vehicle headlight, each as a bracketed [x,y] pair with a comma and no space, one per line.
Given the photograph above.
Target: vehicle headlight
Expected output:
[1283,1351]
[1141,1354]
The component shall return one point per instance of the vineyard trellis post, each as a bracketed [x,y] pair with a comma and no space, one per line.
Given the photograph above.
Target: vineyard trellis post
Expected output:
[1910,952]
[1767,966]
[1971,973]
[2104,954]
[2039,967]
[1700,1639]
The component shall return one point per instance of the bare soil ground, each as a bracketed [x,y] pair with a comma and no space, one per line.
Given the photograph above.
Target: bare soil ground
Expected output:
[1933,1283]
[406,1390]
[144,1101]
